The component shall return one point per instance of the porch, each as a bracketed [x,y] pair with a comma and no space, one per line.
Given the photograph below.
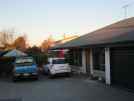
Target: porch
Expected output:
[94,62]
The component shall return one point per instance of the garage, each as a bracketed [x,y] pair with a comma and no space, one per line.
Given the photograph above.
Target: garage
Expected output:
[122,66]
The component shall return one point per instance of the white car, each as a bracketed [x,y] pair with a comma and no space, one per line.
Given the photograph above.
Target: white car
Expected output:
[58,66]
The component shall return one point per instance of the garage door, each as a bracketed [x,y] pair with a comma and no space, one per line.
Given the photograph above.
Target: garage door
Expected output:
[122,66]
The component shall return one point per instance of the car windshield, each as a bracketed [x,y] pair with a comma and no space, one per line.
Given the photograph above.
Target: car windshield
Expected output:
[24,61]
[59,61]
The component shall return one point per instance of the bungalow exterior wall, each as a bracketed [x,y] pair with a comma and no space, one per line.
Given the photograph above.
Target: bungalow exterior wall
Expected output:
[118,64]
[88,64]
[82,61]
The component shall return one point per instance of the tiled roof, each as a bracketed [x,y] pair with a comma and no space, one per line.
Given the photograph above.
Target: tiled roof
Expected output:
[121,31]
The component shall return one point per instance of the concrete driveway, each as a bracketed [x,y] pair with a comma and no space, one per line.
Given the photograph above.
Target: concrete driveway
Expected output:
[61,89]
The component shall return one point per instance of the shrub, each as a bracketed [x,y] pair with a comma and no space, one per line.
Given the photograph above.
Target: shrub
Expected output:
[40,59]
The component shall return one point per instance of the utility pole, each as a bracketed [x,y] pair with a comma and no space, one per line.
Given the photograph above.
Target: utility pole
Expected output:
[125,7]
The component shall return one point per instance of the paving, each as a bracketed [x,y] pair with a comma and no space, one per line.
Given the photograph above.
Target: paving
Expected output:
[61,89]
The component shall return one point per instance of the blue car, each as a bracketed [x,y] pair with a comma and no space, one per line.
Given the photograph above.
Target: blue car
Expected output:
[25,67]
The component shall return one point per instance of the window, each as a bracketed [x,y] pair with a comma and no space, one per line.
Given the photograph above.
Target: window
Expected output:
[75,57]
[24,61]
[99,59]
[58,61]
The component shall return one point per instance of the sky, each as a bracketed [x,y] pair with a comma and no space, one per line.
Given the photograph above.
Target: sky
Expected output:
[39,19]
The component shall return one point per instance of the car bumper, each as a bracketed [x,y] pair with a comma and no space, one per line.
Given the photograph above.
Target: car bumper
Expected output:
[53,72]
[25,75]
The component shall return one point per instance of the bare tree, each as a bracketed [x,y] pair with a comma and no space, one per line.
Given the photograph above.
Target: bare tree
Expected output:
[6,37]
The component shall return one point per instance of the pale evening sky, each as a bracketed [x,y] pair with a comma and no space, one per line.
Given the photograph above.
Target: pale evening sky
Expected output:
[41,18]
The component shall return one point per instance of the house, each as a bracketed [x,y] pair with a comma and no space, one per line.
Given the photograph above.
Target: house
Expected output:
[64,40]
[106,53]
[61,52]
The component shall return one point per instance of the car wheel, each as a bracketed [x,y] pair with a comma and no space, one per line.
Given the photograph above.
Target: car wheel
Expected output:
[68,74]
[36,78]
[50,75]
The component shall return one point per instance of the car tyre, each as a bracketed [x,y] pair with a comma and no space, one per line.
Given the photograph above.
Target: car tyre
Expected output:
[68,74]
[36,78]
[50,75]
